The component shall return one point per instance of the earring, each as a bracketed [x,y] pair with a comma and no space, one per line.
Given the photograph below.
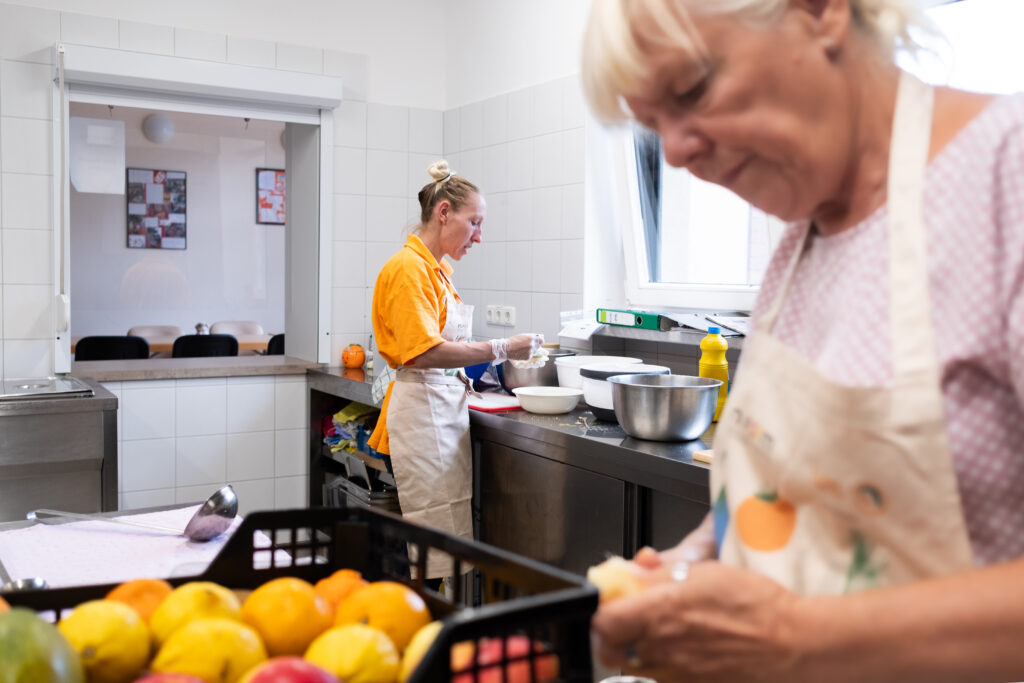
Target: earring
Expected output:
[831,47]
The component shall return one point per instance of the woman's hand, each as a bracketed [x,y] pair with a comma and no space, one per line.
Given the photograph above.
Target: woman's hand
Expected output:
[720,623]
[696,546]
[522,346]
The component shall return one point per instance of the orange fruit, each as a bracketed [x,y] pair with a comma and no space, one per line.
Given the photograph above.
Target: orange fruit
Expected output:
[353,356]
[765,522]
[339,586]
[142,595]
[392,607]
[4,606]
[288,614]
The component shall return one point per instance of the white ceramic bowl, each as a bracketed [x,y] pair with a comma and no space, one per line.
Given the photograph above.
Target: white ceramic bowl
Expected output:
[548,400]
[568,368]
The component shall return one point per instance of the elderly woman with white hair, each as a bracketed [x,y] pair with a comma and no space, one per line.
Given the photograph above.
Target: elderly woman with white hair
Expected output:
[867,514]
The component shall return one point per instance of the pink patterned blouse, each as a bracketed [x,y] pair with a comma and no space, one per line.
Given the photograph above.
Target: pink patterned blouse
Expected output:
[836,313]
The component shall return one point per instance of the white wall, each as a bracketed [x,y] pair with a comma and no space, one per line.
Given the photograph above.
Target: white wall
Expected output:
[232,267]
[389,51]
[508,46]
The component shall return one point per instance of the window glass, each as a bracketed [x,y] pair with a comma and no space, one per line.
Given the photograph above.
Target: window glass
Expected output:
[697,234]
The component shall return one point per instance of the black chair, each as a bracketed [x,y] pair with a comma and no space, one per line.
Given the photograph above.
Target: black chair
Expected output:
[111,348]
[275,347]
[200,345]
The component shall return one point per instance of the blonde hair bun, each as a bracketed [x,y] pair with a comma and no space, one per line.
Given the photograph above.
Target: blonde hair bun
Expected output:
[439,170]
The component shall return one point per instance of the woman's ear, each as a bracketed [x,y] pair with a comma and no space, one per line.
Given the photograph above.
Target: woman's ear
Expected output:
[829,22]
[444,209]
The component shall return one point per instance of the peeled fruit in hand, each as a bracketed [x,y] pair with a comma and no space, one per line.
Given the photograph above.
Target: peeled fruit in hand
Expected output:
[33,650]
[339,585]
[418,646]
[356,654]
[288,614]
[193,600]
[216,650]
[392,607]
[353,356]
[142,595]
[289,670]
[491,654]
[110,638]
[615,578]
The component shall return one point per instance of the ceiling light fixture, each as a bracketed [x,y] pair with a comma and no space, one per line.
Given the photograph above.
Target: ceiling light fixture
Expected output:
[158,128]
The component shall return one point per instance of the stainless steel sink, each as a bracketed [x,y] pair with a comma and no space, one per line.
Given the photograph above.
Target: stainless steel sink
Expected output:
[43,387]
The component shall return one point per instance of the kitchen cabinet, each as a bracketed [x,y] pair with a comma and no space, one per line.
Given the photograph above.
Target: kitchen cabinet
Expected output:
[546,510]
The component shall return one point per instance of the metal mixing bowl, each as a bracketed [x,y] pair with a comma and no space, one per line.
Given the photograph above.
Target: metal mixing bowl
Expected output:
[664,407]
[543,376]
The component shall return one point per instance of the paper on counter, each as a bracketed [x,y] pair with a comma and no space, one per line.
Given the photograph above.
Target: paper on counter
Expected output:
[94,552]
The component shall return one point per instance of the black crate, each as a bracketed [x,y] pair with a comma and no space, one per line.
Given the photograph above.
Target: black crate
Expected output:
[505,595]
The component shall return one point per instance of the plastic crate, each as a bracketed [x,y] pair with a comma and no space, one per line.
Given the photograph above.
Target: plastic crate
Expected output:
[508,594]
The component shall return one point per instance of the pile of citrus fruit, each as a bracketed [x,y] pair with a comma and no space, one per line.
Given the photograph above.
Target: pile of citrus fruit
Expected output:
[343,629]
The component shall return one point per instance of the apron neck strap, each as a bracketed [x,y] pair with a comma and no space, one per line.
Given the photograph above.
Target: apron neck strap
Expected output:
[912,336]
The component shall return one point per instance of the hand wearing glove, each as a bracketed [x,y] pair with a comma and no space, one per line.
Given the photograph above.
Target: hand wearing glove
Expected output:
[516,347]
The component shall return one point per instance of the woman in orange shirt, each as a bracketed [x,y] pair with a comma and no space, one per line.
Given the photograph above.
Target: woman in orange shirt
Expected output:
[423,331]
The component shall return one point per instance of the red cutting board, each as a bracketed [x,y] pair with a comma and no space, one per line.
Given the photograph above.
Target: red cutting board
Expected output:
[492,403]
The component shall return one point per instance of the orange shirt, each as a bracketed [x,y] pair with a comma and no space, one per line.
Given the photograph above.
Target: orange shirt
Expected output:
[409,311]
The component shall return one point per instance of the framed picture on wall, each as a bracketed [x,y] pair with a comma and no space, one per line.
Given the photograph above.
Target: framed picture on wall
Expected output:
[156,208]
[270,193]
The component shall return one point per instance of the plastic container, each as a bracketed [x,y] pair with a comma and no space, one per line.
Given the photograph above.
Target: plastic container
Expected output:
[597,393]
[506,595]
[713,364]
[568,368]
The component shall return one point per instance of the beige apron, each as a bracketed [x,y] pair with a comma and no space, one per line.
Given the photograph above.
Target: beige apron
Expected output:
[428,432]
[828,488]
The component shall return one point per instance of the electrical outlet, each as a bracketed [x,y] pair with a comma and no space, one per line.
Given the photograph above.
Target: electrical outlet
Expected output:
[507,316]
[491,314]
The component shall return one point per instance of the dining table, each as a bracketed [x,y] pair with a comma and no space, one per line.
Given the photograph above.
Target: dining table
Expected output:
[246,342]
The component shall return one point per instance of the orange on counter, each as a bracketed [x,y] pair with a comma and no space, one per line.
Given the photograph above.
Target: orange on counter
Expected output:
[392,607]
[339,585]
[353,356]
[288,614]
[142,595]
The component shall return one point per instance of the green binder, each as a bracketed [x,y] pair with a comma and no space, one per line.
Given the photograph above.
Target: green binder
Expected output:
[644,320]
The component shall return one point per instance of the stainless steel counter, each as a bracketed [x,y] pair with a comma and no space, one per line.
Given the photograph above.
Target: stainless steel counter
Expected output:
[58,452]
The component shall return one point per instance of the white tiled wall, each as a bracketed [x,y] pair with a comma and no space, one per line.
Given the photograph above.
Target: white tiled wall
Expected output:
[524,150]
[27,37]
[179,440]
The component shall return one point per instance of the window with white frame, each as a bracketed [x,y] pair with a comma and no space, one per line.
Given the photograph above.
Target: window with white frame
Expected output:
[693,244]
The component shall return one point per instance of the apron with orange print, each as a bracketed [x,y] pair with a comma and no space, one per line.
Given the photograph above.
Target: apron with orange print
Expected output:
[831,489]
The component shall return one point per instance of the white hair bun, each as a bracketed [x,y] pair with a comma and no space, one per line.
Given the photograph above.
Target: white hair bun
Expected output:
[439,169]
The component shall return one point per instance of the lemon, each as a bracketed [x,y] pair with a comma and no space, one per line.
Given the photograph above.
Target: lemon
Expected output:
[216,650]
[356,654]
[194,600]
[418,646]
[110,638]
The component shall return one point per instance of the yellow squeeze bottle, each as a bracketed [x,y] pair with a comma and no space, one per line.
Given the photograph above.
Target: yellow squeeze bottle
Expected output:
[714,365]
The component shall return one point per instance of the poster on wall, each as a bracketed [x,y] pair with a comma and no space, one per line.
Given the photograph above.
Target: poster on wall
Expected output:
[270,196]
[156,209]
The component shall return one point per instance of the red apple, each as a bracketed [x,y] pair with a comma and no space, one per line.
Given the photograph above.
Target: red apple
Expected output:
[289,669]
[169,678]
[489,659]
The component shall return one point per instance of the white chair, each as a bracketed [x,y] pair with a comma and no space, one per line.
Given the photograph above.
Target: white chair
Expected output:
[151,331]
[236,327]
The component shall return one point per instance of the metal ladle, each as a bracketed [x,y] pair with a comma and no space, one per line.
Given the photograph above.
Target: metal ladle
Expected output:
[211,519]
[10,586]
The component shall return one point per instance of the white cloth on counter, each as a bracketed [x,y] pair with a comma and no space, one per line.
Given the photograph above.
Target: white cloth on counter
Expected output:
[96,552]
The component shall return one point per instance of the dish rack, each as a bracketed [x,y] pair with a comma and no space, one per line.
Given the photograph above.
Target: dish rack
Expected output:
[504,594]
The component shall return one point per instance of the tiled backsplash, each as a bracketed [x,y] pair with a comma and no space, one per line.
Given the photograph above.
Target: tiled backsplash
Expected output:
[179,440]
